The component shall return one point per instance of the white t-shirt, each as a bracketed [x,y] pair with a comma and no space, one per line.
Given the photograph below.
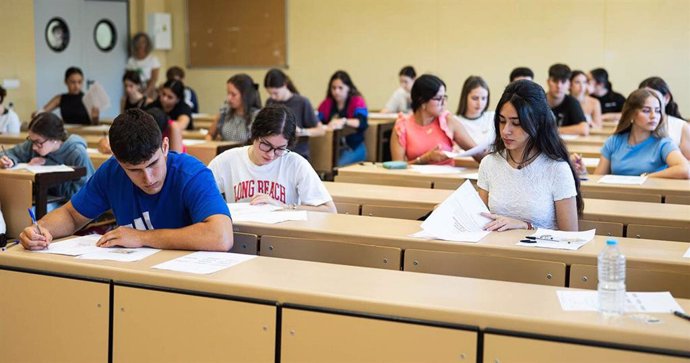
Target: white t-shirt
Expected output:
[481,129]
[675,128]
[290,179]
[528,194]
[143,66]
[9,123]
[399,101]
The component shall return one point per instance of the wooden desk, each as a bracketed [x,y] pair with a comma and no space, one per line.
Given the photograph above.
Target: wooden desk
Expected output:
[587,151]
[203,120]
[591,140]
[368,315]
[97,158]
[207,150]
[377,138]
[324,151]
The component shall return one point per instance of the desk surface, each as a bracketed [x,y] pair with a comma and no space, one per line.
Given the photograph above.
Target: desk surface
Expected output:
[483,303]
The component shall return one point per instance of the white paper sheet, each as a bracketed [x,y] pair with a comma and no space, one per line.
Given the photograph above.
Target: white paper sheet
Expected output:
[204,262]
[471,176]
[96,97]
[189,142]
[622,179]
[567,137]
[635,302]
[459,217]
[40,169]
[92,150]
[480,148]
[436,169]
[561,240]
[687,253]
[101,128]
[246,208]
[74,246]
[119,254]
[272,217]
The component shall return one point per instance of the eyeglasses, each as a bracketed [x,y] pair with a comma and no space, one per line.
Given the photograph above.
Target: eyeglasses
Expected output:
[38,144]
[267,147]
[441,99]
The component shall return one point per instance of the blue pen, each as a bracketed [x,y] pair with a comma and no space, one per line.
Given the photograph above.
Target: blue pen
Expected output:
[33,219]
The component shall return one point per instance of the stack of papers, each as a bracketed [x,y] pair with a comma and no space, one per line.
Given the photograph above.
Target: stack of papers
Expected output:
[84,247]
[40,169]
[264,213]
[436,169]
[635,302]
[560,240]
[204,262]
[458,218]
[96,97]
[622,179]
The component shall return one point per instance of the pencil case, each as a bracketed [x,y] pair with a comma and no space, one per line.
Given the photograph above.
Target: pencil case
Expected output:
[395,164]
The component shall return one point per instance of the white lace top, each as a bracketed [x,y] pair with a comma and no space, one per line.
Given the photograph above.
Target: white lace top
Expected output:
[527,194]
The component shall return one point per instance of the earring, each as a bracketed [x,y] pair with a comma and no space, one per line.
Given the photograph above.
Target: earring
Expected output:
[632,121]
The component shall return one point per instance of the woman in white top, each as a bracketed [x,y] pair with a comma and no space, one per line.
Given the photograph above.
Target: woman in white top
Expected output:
[527,181]
[9,120]
[145,63]
[678,128]
[579,85]
[266,172]
[400,100]
[474,100]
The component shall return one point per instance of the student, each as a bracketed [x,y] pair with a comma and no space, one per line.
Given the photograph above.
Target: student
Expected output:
[145,63]
[49,144]
[474,101]
[579,85]
[678,129]
[639,145]
[133,98]
[160,199]
[71,106]
[401,100]
[237,114]
[282,91]
[528,182]
[171,101]
[176,73]
[569,116]
[343,107]
[423,136]
[611,102]
[169,129]
[266,172]
[521,73]
[9,120]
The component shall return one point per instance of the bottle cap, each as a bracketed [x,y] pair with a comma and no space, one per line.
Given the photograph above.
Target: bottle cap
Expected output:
[611,242]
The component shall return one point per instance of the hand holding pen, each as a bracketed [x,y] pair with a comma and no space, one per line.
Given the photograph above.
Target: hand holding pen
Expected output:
[5,161]
[34,237]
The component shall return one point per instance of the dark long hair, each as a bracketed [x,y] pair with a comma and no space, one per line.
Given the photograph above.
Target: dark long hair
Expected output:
[345,78]
[425,88]
[48,125]
[657,83]
[600,75]
[537,120]
[471,83]
[250,94]
[275,120]
[275,78]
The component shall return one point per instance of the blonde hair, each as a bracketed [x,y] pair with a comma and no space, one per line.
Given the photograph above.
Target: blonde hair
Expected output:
[634,104]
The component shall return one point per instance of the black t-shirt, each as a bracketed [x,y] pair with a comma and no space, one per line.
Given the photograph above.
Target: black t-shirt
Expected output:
[305,117]
[180,108]
[569,112]
[72,109]
[611,102]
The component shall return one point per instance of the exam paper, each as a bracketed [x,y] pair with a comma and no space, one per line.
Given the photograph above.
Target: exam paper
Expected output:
[204,262]
[635,302]
[560,240]
[74,246]
[687,253]
[567,137]
[459,217]
[264,213]
[189,142]
[436,169]
[622,179]
[480,148]
[40,169]
[119,254]
[101,128]
[96,97]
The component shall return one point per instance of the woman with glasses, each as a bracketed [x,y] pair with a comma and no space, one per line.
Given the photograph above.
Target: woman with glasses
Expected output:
[425,135]
[49,144]
[266,172]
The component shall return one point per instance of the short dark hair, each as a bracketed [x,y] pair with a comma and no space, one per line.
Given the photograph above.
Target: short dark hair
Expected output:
[601,76]
[73,70]
[425,88]
[48,125]
[274,120]
[132,76]
[134,136]
[177,87]
[471,83]
[275,78]
[3,94]
[655,83]
[559,72]
[174,72]
[521,72]
[408,71]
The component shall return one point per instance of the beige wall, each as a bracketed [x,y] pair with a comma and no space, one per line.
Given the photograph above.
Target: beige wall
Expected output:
[453,39]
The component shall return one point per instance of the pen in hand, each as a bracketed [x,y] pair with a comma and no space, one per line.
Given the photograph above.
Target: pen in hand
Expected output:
[33,219]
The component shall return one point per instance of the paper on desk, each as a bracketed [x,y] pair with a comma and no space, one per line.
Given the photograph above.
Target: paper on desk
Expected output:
[119,254]
[189,142]
[101,128]
[40,169]
[92,150]
[471,176]
[459,217]
[590,162]
[687,253]
[480,148]
[635,302]
[273,217]
[562,240]
[74,246]
[246,208]
[436,169]
[204,262]
[568,137]
[96,97]
[622,179]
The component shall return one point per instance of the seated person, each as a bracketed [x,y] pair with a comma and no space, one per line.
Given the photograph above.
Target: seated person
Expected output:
[169,130]
[400,100]
[266,172]
[9,120]
[611,102]
[640,145]
[472,110]
[423,136]
[160,199]
[176,73]
[678,129]
[521,73]
[579,85]
[171,101]
[71,106]
[49,144]
[134,96]
[527,181]
[569,116]
[242,103]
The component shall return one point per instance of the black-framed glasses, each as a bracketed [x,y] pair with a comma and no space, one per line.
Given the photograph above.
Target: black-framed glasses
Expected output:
[38,144]
[441,99]
[267,147]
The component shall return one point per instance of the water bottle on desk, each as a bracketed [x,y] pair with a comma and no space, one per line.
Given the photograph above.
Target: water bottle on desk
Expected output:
[611,288]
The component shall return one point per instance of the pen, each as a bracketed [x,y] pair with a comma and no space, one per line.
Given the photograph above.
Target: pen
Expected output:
[33,219]
[535,239]
[4,152]
[681,315]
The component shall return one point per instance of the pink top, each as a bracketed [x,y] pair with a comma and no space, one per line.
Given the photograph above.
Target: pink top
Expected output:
[417,139]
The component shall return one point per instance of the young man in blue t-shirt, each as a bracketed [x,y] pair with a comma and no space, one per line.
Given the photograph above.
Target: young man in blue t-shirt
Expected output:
[160,199]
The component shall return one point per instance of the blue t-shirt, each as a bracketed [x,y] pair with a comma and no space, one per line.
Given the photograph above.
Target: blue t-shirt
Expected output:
[649,156]
[189,195]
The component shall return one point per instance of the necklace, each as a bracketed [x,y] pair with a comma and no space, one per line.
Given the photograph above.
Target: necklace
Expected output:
[523,163]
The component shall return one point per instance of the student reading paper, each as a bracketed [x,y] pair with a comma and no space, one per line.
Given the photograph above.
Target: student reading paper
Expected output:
[160,199]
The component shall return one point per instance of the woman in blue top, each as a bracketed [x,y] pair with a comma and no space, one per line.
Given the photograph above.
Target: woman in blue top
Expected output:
[639,145]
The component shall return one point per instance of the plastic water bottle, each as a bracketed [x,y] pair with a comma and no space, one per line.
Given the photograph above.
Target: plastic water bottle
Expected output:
[611,288]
